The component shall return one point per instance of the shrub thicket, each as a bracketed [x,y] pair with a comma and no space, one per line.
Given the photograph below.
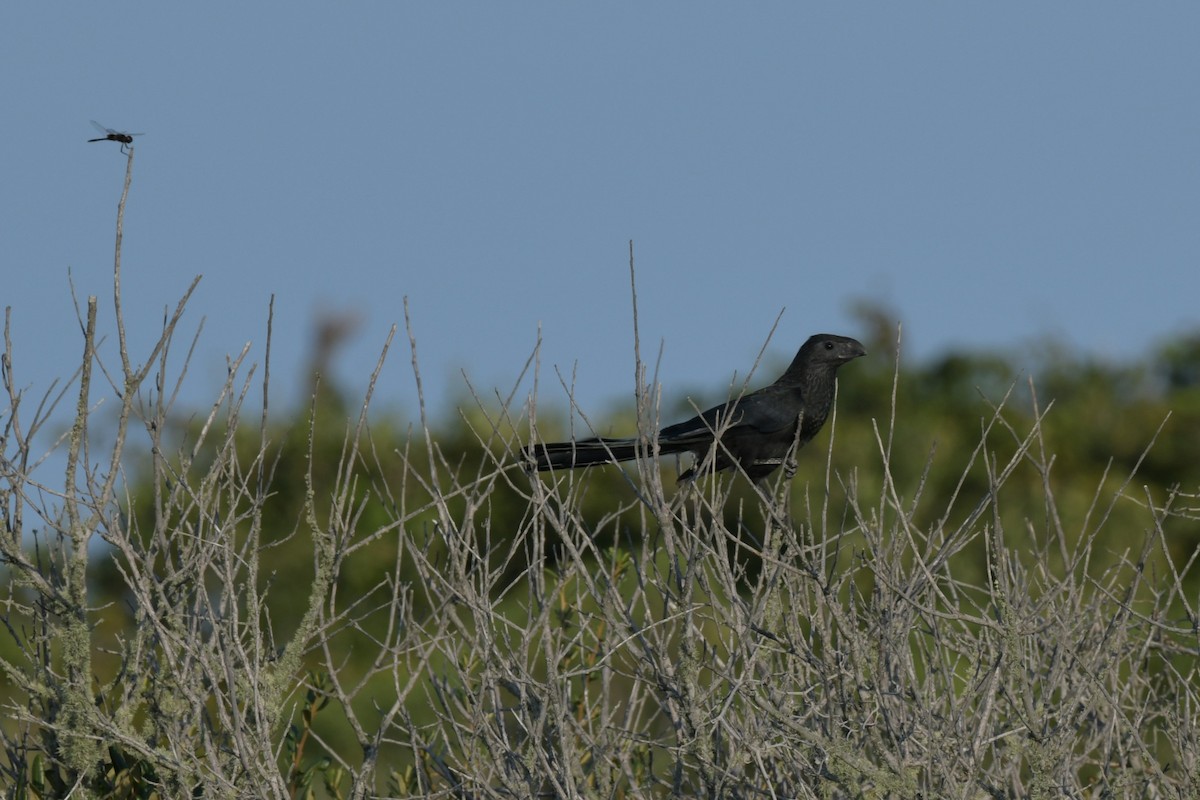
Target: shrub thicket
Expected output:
[972,589]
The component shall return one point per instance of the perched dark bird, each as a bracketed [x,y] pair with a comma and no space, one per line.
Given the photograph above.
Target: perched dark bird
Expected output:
[757,431]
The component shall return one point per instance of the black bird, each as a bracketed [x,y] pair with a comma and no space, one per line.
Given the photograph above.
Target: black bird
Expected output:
[757,431]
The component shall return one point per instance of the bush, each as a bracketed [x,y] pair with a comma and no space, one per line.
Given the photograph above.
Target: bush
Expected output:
[456,628]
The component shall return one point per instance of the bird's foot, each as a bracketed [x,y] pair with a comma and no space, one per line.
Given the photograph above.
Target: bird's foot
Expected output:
[790,465]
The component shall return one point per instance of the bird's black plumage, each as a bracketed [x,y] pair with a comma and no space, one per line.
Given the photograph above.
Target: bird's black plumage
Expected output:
[757,431]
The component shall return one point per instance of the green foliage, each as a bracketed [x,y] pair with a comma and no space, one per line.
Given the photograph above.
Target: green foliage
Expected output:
[303,769]
[1104,419]
[974,568]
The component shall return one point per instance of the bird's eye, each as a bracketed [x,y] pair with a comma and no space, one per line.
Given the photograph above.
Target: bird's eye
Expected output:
[829,345]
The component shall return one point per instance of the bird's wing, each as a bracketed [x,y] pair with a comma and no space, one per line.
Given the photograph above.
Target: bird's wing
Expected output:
[767,410]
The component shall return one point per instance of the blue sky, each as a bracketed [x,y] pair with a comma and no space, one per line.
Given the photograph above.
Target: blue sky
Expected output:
[1001,175]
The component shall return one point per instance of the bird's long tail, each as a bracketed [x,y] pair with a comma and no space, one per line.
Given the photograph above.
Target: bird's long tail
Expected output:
[545,456]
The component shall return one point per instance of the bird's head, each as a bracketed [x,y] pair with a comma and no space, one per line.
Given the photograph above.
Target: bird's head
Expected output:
[821,355]
[828,348]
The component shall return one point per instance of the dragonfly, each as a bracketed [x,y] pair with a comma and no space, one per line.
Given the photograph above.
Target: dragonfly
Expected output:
[110,135]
